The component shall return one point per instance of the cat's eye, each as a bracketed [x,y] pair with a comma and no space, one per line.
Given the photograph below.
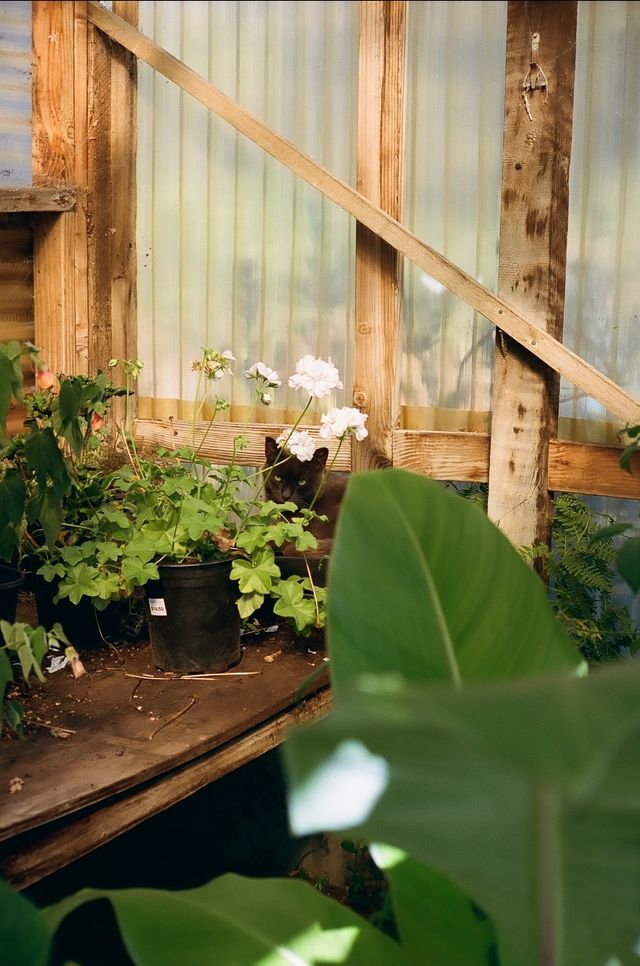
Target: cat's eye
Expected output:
[278,479]
[302,482]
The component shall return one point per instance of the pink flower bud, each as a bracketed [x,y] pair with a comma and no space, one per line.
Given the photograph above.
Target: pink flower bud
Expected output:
[45,379]
[97,422]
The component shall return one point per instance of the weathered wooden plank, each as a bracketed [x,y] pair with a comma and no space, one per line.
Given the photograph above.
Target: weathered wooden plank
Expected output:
[119,740]
[124,68]
[532,266]
[464,457]
[378,265]
[536,340]
[59,147]
[219,443]
[31,857]
[37,199]
[101,189]
[53,164]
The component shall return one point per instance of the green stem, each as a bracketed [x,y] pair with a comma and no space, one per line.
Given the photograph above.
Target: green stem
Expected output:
[327,470]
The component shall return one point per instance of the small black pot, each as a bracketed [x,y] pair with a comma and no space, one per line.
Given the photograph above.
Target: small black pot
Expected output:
[194,624]
[11,582]
[85,627]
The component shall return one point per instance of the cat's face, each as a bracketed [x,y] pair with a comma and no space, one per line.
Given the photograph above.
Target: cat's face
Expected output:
[293,480]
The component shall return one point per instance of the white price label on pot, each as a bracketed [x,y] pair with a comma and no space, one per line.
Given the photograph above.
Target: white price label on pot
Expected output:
[157,607]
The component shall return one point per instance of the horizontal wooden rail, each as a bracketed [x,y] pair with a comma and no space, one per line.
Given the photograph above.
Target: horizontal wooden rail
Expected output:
[464,457]
[536,340]
[37,199]
[573,467]
[219,442]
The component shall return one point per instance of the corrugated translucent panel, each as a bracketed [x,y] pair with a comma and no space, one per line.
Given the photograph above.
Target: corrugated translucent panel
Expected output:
[15,93]
[233,250]
[455,91]
[603,290]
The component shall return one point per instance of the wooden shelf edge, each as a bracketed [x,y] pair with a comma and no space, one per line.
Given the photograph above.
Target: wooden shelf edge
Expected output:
[589,468]
[34,856]
[37,199]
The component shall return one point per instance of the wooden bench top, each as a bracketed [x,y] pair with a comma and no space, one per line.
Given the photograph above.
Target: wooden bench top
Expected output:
[108,750]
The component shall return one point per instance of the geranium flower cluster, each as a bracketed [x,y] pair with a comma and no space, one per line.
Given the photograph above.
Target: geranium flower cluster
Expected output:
[265,379]
[214,364]
[317,377]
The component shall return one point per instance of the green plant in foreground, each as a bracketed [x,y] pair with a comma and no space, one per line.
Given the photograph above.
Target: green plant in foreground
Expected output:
[494,783]
[29,646]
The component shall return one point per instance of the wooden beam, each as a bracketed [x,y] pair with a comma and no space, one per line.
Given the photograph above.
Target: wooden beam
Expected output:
[532,268]
[37,199]
[540,343]
[59,149]
[171,433]
[46,851]
[464,457]
[124,67]
[378,266]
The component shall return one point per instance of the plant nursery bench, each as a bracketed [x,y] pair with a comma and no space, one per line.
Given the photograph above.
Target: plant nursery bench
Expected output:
[106,751]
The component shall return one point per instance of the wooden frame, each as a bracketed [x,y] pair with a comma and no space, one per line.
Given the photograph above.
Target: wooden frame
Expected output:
[83,143]
[381,241]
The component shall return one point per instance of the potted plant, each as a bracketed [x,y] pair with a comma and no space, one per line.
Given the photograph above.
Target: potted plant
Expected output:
[173,520]
[50,473]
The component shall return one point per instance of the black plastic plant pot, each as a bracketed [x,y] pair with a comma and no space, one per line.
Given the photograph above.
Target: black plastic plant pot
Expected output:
[194,624]
[85,627]
[11,581]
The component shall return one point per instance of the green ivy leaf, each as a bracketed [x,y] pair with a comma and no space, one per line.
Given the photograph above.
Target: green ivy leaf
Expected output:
[255,575]
[248,604]
[292,603]
[51,571]
[10,386]
[628,562]
[6,673]
[136,573]
[81,582]
[12,497]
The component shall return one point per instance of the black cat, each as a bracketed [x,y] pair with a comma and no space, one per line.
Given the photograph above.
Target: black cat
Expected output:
[304,482]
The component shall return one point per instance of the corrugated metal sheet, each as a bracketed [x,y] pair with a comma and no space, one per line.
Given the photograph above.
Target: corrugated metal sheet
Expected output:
[455,91]
[234,251]
[15,93]
[603,295]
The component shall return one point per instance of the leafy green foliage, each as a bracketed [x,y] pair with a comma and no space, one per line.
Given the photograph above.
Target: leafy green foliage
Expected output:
[581,567]
[24,937]
[40,467]
[497,788]
[488,784]
[29,646]
[235,920]
[633,433]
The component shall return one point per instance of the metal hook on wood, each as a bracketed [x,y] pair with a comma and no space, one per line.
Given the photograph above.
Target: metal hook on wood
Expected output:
[535,79]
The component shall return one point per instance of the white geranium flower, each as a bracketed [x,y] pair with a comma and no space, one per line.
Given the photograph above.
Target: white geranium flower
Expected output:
[265,398]
[316,376]
[338,423]
[262,372]
[299,443]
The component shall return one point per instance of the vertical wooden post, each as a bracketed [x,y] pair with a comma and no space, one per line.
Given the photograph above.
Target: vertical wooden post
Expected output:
[59,159]
[84,136]
[378,266]
[533,235]
[124,67]
[111,197]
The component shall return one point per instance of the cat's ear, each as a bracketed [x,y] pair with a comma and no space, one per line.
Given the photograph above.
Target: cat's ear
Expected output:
[270,449]
[320,457]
